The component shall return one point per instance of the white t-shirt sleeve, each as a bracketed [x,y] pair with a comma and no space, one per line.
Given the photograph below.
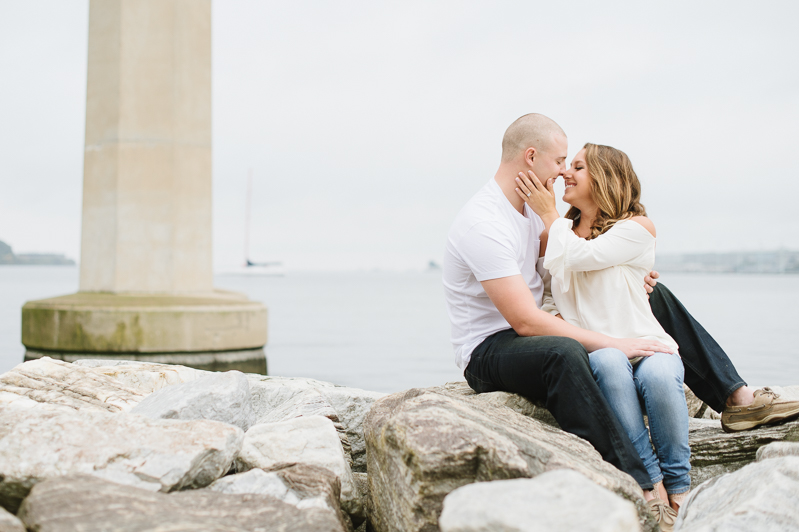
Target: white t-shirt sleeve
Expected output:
[489,252]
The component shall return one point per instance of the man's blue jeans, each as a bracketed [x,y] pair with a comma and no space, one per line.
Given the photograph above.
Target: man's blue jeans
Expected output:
[656,384]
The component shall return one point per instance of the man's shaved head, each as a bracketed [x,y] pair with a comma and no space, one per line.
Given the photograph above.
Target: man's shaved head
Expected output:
[529,130]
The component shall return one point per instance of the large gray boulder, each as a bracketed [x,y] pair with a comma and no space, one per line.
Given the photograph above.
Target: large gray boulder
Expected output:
[311,440]
[546,502]
[217,396]
[55,385]
[89,504]
[715,452]
[144,377]
[301,485]
[423,444]
[283,398]
[9,522]
[517,403]
[158,455]
[760,496]
[777,449]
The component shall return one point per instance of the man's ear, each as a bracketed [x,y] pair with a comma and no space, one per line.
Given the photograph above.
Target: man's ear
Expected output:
[529,155]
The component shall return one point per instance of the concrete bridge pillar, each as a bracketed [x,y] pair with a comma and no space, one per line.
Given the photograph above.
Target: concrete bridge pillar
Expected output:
[146,286]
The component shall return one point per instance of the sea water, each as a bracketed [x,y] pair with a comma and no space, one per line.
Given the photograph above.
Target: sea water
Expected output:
[389,331]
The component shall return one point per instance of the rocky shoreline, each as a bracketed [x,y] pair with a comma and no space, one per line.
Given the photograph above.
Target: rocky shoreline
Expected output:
[118,445]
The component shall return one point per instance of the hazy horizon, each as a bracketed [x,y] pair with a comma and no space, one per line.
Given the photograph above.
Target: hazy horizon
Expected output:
[368,126]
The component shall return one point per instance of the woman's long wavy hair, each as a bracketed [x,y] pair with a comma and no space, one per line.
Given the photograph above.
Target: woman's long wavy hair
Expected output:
[614,188]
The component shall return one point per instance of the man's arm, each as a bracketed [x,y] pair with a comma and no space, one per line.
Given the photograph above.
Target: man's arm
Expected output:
[516,303]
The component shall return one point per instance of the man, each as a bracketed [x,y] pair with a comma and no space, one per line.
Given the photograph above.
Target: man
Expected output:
[494,285]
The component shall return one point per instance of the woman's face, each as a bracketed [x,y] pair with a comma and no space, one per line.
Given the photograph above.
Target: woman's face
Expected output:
[578,182]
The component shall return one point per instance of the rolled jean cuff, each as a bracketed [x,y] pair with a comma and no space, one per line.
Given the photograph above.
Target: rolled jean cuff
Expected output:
[678,491]
[730,391]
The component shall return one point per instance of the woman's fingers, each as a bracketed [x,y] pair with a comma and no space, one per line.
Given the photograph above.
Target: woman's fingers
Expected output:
[527,188]
[657,347]
[530,184]
[534,181]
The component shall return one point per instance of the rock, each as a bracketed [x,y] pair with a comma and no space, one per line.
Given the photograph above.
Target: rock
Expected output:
[307,402]
[10,523]
[52,384]
[362,489]
[281,398]
[352,405]
[423,444]
[760,496]
[159,455]
[517,403]
[217,396]
[87,504]
[546,502]
[696,407]
[777,449]
[715,452]
[301,485]
[309,440]
[144,377]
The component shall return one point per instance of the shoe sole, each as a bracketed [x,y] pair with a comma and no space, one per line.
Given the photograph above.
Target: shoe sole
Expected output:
[746,425]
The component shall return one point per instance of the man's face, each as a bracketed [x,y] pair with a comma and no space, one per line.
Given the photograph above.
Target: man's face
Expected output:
[550,162]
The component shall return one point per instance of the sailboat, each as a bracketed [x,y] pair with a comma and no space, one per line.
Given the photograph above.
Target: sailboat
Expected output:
[271,268]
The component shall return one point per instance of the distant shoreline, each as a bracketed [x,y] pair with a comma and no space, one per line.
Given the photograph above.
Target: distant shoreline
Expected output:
[8,257]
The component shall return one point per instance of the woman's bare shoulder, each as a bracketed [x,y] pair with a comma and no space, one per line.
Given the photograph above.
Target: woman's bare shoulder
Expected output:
[646,223]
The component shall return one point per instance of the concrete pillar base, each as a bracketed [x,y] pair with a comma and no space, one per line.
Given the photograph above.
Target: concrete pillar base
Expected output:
[246,361]
[127,324]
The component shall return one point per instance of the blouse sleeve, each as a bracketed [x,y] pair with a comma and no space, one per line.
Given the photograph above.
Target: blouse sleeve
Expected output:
[566,252]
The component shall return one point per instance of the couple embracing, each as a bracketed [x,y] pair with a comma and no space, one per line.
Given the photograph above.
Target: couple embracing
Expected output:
[567,310]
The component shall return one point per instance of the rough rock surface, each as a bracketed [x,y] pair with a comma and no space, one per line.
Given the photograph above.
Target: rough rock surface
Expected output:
[88,504]
[715,452]
[218,396]
[309,440]
[777,449]
[159,455]
[144,377]
[283,398]
[422,444]
[9,522]
[546,502]
[53,384]
[517,403]
[301,485]
[760,496]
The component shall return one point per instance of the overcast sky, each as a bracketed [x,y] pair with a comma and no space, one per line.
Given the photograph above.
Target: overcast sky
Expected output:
[369,124]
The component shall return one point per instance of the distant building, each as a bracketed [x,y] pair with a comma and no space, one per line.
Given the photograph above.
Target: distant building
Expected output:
[780,262]
[7,256]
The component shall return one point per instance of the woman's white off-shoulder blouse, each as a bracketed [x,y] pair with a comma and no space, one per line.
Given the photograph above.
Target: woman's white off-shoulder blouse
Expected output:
[599,284]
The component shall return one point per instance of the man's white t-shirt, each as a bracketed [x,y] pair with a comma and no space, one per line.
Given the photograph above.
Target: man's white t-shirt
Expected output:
[488,240]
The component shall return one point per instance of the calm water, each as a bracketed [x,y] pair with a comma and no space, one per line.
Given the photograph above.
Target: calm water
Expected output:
[389,331]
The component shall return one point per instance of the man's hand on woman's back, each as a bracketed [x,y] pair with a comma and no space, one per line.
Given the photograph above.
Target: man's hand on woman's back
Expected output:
[650,281]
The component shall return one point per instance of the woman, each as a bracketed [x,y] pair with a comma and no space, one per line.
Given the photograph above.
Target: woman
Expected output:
[597,256]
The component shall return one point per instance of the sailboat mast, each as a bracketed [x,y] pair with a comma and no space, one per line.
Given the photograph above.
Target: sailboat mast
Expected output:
[247,209]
